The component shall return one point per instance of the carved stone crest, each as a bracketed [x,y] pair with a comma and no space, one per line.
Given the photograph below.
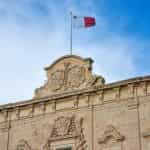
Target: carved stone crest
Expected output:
[68,74]
[76,76]
[69,78]
[67,127]
[61,126]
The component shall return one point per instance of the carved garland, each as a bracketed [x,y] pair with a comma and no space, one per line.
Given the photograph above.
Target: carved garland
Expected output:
[67,127]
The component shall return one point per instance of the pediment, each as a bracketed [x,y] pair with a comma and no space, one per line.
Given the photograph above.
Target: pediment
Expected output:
[67,74]
[110,133]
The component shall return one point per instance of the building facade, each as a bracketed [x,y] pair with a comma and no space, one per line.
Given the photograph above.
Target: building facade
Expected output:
[77,110]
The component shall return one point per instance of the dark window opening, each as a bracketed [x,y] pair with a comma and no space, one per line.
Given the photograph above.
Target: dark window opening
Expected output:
[67,148]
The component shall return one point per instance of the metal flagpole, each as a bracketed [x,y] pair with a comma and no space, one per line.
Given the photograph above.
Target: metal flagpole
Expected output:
[71,34]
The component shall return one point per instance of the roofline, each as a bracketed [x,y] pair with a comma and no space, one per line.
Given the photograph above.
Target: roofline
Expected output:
[67,56]
[83,91]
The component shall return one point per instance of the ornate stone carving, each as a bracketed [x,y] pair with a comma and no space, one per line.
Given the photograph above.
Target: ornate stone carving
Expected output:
[72,75]
[67,127]
[76,76]
[23,145]
[57,80]
[110,132]
[61,126]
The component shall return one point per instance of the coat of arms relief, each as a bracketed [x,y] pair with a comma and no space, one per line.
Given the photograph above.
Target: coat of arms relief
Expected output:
[69,77]
[67,128]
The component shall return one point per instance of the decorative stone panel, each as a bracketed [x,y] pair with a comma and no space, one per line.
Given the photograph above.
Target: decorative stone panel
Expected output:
[111,138]
[68,74]
[67,128]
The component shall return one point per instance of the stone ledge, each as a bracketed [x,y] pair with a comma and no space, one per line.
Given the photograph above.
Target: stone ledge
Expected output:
[54,97]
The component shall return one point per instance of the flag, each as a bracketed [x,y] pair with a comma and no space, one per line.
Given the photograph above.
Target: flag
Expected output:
[83,21]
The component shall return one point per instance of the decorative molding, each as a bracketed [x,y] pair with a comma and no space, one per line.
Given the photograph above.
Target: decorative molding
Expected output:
[110,132]
[67,127]
[122,84]
[62,127]
[71,76]
[23,145]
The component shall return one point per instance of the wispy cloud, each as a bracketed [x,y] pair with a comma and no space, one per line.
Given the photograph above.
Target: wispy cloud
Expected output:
[35,32]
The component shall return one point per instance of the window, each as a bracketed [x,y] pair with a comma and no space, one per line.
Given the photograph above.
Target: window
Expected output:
[66,148]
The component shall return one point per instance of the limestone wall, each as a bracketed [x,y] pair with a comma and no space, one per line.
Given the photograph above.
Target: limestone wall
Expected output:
[115,118]
[77,109]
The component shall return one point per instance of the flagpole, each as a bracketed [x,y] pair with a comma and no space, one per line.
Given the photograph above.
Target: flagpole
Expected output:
[71,33]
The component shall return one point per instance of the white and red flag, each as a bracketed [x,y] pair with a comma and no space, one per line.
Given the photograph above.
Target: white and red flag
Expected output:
[80,22]
[83,21]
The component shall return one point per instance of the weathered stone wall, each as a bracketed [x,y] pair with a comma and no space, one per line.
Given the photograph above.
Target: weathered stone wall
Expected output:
[103,117]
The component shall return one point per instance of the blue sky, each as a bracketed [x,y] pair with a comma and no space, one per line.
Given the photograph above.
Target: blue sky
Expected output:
[36,32]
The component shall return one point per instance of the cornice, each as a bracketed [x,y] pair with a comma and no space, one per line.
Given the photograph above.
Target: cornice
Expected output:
[60,96]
